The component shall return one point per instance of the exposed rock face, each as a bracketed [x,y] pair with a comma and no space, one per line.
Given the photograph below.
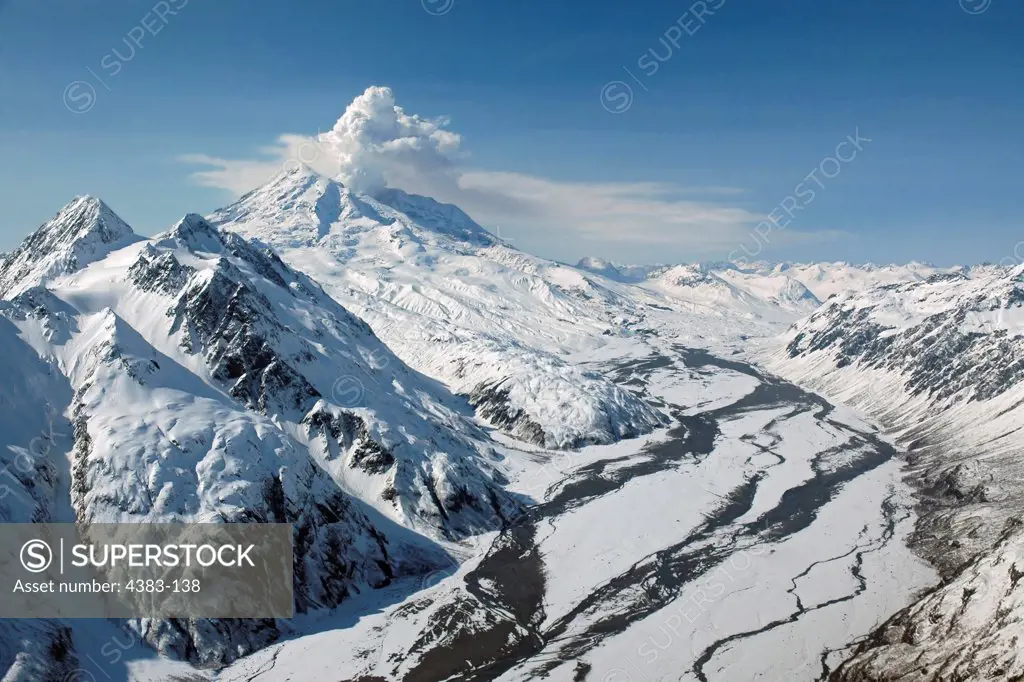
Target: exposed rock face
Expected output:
[940,357]
[158,272]
[456,302]
[194,378]
[236,323]
[492,401]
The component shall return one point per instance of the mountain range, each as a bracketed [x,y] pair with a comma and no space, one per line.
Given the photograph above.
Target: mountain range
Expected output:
[383,373]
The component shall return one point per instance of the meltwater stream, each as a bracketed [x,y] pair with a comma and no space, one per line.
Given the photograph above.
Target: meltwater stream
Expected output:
[759,539]
[506,629]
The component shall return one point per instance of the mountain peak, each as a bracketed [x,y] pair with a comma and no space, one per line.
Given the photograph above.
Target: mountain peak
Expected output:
[85,230]
[299,207]
[298,174]
[84,215]
[192,223]
[195,233]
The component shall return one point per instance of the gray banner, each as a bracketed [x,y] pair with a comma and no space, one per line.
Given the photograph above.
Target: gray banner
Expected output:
[129,570]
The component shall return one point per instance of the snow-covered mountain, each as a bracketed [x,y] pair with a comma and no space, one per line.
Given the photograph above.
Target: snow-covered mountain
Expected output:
[201,376]
[724,290]
[83,231]
[821,279]
[730,290]
[196,377]
[827,279]
[940,361]
[457,303]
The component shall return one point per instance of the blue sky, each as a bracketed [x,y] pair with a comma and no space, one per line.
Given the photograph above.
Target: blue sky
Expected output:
[735,117]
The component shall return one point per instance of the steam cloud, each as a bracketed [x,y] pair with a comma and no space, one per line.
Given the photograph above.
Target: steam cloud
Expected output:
[376,144]
[375,140]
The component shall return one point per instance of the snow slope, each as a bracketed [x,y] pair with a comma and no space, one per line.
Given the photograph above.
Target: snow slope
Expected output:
[32,433]
[456,303]
[939,361]
[196,377]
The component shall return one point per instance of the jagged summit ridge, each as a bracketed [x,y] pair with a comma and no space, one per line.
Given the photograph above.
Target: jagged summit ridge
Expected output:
[83,231]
